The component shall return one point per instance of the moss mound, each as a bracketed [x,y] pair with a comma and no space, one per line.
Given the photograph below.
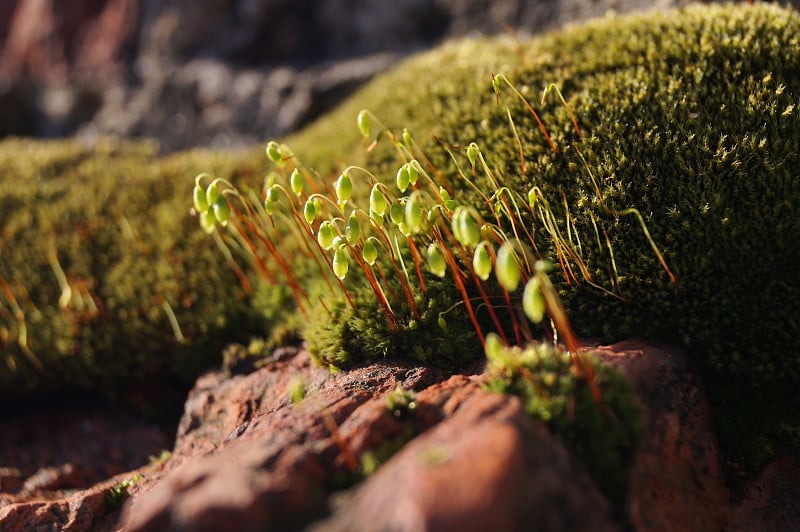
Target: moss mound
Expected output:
[104,277]
[692,117]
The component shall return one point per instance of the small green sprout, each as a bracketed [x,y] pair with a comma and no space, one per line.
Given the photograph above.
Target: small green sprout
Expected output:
[117,493]
[401,402]
[297,390]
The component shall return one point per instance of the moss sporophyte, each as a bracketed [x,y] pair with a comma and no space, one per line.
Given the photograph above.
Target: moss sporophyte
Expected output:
[659,177]
[428,236]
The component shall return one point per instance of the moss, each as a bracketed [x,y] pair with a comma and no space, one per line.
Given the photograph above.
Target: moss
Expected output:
[693,118]
[603,436]
[106,278]
[340,336]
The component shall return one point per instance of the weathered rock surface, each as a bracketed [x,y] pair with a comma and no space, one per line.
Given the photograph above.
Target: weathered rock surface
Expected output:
[226,73]
[247,457]
[56,467]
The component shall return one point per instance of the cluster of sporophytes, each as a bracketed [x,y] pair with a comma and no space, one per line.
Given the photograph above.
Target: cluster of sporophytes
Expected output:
[690,117]
[418,256]
[104,278]
[392,260]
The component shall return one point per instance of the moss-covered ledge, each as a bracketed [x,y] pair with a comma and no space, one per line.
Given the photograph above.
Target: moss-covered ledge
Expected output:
[104,277]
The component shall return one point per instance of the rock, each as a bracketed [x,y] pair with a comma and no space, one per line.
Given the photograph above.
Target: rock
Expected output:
[678,464]
[771,501]
[57,467]
[485,467]
[247,457]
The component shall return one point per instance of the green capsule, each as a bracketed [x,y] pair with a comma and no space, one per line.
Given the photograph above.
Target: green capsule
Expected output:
[533,301]
[493,347]
[344,188]
[363,123]
[413,172]
[397,213]
[442,323]
[407,140]
[274,152]
[273,194]
[309,211]
[212,193]
[403,179]
[445,195]
[481,261]
[507,268]
[377,201]
[200,201]
[455,225]
[340,263]
[532,198]
[352,231]
[325,235]
[413,214]
[222,211]
[296,182]
[468,229]
[436,262]
[208,221]
[370,250]
[472,153]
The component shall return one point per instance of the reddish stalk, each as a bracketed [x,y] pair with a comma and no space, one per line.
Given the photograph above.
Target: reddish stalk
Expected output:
[461,288]
[415,255]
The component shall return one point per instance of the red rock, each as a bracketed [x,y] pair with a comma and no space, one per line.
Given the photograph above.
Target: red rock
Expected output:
[771,500]
[486,467]
[247,458]
[676,482]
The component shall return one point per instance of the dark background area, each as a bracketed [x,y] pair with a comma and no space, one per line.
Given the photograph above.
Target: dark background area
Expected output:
[227,73]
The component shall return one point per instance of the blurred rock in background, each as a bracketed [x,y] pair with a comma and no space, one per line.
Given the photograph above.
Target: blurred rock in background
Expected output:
[226,73]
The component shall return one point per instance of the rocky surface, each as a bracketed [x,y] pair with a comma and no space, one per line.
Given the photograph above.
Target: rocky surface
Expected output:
[250,454]
[226,73]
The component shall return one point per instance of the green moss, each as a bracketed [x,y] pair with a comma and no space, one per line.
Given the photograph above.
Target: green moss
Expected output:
[603,436]
[693,118]
[142,292]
